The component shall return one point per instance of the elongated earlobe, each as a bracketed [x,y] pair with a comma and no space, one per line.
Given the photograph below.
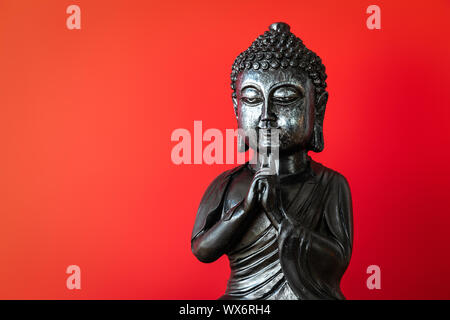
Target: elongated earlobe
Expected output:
[233,97]
[317,142]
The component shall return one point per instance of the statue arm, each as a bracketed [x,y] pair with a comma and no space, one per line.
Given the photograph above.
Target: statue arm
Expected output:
[315,262]
[214,233]
[211,243]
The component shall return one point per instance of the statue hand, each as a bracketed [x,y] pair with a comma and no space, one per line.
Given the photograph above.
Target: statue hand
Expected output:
[252,200]
[271,198]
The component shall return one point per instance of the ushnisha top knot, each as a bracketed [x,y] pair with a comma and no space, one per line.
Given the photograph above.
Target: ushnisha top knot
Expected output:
[279,27]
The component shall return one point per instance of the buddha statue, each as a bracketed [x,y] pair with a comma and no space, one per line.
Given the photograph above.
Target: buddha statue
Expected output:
[287,233]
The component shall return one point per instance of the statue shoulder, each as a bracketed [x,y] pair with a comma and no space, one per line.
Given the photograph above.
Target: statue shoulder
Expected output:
[217,187]
[329,176]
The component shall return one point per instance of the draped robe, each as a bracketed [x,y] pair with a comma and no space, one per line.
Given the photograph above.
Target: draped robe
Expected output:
[306,257]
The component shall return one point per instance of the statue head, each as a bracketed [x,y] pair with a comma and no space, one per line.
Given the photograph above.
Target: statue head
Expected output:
[279,84]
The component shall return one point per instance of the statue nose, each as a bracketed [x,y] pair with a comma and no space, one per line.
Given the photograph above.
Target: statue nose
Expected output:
[268,118]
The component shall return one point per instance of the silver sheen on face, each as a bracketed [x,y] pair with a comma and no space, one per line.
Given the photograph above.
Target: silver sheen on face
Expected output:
[281,100]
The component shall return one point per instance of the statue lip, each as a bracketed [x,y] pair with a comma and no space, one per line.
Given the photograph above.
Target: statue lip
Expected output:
[266,130]
[265,137]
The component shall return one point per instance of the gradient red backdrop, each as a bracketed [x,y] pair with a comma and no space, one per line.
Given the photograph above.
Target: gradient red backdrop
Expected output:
[86,118]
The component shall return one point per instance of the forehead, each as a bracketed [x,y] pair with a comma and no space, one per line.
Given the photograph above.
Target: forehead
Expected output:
[265,79]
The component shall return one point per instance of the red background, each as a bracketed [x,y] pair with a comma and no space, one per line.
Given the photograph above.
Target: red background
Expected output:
[86,118]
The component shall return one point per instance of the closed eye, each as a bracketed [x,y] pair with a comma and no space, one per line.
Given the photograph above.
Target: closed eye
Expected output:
[286,99]
[248,100]
[251,95]
[286,95]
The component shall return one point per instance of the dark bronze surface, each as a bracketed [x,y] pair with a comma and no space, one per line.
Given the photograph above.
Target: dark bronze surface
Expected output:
[287,235]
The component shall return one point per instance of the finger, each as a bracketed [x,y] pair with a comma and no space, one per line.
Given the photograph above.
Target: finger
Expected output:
[264,186]
[261,175]
[260,189]
[258,186]
[255,183]
[264,172]
[256,180]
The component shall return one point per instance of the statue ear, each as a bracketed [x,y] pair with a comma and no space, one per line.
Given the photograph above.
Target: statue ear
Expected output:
[317,143]
[242,146]
[233,97]
[322,103]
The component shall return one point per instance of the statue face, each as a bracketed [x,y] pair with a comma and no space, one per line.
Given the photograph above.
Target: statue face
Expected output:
[280,99]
